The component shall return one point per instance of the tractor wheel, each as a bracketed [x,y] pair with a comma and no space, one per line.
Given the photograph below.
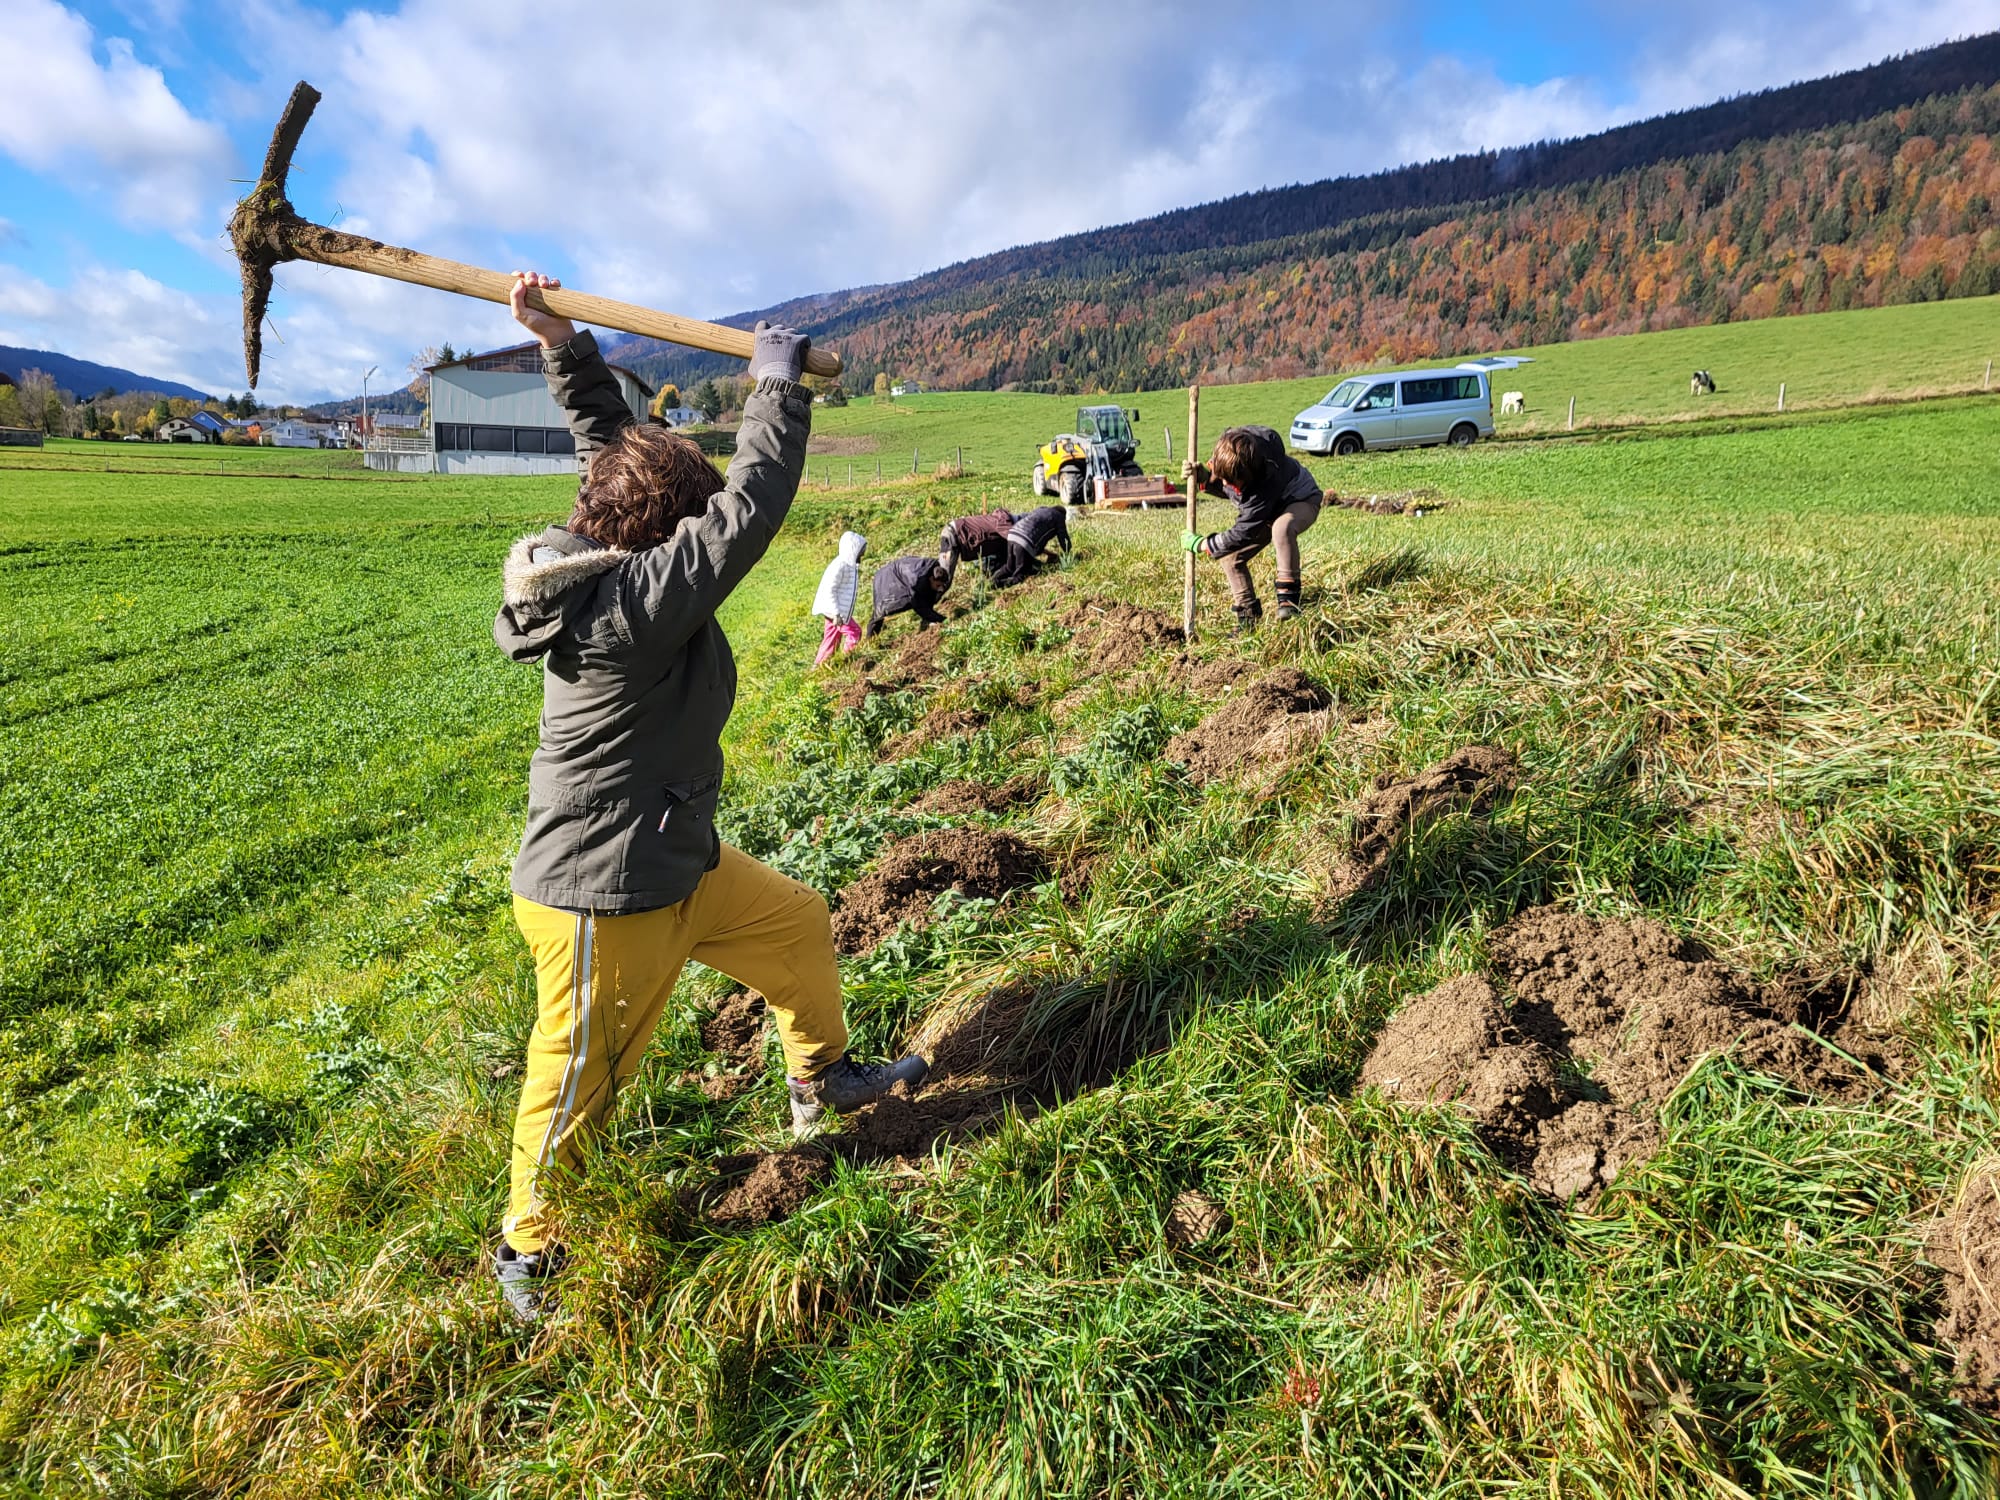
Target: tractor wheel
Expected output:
[1346,446]
[1069,485]
[1464,435]
[1041,479]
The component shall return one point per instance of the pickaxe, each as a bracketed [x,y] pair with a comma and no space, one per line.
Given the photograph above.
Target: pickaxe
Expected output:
[266,231]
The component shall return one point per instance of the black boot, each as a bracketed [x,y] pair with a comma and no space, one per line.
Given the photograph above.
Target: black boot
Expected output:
[1288,598]
[1248,616]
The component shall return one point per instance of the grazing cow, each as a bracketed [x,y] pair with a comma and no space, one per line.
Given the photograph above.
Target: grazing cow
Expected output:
[1512,402]
[1703,384]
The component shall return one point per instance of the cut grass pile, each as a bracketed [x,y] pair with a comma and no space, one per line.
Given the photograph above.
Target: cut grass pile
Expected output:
[264,1009]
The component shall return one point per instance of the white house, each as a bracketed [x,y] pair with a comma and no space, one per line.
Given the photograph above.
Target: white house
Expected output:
[681,416]
[297,432]
[492,414]
[179,430]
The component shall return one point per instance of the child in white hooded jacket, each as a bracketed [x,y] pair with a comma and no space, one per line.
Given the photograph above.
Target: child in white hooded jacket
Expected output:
[839,586]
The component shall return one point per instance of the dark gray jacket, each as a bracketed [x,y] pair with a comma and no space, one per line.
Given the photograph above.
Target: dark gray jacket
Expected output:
[1039,527]
[637,678]
[905,583]
[1285,482]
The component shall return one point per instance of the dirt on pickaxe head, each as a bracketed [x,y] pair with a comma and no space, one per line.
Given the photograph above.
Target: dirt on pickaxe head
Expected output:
[266,231]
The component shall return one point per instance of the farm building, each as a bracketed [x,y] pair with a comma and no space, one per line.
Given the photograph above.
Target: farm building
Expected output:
[19,437]
[492,414]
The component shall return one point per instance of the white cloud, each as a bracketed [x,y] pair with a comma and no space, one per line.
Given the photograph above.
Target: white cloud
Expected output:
[115,124]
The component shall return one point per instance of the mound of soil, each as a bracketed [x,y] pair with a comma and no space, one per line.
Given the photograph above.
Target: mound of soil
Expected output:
[1471,779]
[766,1186]
[901,888]
[957,798]
[1212,679]
[1965,1245]
[1403,502]
[913,659]
[1262,728]
[1195,1219]
[734,1032]
[1633,1002]
[1118,636]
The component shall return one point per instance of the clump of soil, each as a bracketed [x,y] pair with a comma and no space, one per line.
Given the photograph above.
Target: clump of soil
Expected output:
[1470,779]
[1118,636]
[901,888]
[766,1186]
[1632,1002]
[1457,1045]
[734,1032]
[1211,679]
[914,658]
[1263,727]
[1195,1219]
[1403,502]
[1965,1245]
[957,798]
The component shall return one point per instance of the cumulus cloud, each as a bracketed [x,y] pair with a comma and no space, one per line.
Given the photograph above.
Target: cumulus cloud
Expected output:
[709,161]
[115,123]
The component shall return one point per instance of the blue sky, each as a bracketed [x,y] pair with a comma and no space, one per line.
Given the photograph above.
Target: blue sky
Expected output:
[710,159]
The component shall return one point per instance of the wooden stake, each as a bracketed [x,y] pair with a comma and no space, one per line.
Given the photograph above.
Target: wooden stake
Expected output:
[1781,395]
[1572,414]
[1193,447]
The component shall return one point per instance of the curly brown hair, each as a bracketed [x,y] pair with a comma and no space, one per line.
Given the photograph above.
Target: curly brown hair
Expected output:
[641,485]
[1237,459]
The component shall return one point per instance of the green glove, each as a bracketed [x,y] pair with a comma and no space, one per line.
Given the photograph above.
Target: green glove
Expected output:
[1192,543]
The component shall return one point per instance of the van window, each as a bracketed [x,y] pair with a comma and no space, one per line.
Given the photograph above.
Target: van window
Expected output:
[1379,398]
[1345,392]
[1435,388]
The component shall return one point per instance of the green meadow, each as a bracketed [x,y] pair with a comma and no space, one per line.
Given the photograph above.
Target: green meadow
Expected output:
[263,1006]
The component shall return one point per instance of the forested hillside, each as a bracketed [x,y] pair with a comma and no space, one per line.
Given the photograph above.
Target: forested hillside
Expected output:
[1871,188]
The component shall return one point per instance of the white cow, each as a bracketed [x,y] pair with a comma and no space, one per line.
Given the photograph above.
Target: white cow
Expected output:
[1512,403]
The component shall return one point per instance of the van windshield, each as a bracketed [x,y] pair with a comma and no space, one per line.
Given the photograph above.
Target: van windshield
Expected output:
[1346,393]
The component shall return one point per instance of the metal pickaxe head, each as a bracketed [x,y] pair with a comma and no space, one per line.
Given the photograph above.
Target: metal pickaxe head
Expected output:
[257,228]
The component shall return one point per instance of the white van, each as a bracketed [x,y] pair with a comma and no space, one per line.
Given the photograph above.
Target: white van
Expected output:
[1398,409]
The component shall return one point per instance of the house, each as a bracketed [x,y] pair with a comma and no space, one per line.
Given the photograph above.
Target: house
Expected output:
[211,425]
[907,388]
[492,413]
[181,430]
[681,416]
[297,432]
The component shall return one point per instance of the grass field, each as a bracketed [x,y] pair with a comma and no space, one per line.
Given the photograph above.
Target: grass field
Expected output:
[1826,360]
[263,1005]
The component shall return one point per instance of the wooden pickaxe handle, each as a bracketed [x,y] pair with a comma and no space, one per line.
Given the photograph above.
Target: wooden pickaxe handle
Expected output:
[332,247]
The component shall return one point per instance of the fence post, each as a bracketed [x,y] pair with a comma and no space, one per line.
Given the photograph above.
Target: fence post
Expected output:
[1989,376]
[958,462]
[1572,414]
[850,473]
[878,468]
[1781,395]
[914,452]
[1169,431]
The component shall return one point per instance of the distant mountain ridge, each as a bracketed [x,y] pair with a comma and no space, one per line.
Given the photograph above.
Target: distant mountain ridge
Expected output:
[1085,310]
[83,378]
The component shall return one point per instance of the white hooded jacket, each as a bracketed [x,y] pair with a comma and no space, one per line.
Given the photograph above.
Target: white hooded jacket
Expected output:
[841,582]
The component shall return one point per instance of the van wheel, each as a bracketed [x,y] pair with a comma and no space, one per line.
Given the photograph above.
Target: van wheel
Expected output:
[1041,479]
[1069,484]
[1346,445]
[1464,435]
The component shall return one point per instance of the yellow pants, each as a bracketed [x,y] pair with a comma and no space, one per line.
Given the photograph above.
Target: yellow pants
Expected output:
[603,981]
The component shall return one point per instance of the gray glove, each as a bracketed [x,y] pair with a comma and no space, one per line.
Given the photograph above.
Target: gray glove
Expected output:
[779,352]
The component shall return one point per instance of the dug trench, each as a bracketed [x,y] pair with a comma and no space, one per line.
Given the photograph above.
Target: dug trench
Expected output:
[1563,1053]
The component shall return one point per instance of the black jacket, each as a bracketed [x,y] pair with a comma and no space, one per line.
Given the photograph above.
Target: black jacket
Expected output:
[1039,527]
[637,677]
[905,583]
[1286,482]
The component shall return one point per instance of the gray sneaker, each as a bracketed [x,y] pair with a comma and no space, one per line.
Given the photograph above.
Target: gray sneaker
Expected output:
[847,1085]
[524,1277]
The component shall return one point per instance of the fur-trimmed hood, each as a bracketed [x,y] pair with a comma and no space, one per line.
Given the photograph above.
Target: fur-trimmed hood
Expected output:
[543,579]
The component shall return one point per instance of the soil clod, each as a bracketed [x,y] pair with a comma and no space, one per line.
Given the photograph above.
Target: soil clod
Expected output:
[957,798]
[910,876]
[1633,1003]
[1262,728]
[1965,1245]
[767,1186]
[1195,1219]
[1470,779]
[1119,636]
